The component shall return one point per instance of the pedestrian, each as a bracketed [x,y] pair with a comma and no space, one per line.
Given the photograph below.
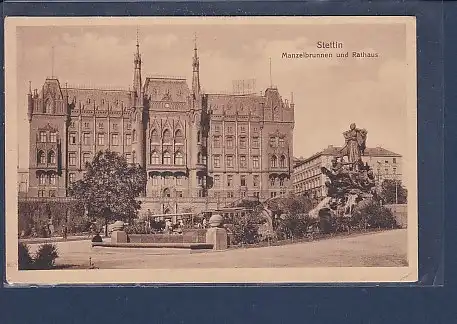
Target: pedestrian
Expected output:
[64,232]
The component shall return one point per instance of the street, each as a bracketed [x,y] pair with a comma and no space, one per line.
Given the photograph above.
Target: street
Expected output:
[385,249]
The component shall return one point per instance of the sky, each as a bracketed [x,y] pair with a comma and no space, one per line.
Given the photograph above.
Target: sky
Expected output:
[329,94]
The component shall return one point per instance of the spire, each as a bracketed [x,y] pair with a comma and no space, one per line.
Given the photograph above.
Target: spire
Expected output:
[137,71]
[195,70]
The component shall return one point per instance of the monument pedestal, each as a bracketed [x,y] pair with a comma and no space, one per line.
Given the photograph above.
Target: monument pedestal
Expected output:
[118,237]
[218,237]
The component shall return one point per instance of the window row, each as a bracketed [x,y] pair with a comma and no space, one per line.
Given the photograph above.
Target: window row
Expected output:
[274,181]
[47,137]
[43,158]
[166,158]
[307,174]
[101,138]
[276,141]
[229,181]
[101,125]
[230,140]
[282,161]
[230,129]
[167,180]
[304,186]
[42,193]
[45,179]
[229,161]
[167,137]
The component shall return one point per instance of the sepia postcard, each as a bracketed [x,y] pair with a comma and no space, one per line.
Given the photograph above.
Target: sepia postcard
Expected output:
[211,150]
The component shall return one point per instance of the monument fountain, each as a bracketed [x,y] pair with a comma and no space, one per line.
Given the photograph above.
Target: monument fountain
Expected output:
[350,183]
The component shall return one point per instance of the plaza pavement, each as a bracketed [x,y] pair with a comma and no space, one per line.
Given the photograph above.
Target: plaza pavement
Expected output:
[385,249]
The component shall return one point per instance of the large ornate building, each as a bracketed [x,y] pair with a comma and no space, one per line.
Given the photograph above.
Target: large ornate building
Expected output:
[200,151]
[309,179]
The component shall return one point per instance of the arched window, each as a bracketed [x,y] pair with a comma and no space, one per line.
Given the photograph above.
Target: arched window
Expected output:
[48,107]
[166,158]
[179,158]
[199,136]
[42,179]
[134,136]
[41,158]
[166,193]
[166,138]
[155,158]
[274,161]
[133,157]
[154,136]
[199,157]
[51,157]
[178,137]
[282,161]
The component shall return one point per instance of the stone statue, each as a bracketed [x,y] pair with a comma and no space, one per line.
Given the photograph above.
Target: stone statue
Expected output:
[354,147]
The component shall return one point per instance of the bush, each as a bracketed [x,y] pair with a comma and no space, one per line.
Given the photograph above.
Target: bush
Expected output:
[292,226]
[46,256]
[25,261]
[245,229]
[373,215]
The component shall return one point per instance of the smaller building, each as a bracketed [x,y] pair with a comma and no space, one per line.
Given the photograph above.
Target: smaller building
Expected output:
[308,178]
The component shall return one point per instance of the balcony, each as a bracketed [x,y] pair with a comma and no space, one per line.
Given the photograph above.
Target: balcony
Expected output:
[167,168]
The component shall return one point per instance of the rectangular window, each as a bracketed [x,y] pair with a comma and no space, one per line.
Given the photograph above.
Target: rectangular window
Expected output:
[53,137]
[394,170]
[242,142]
[281,142]
[128,139]
[242,129]
[179,181]
[128,157]
[52,193]
[255,162]
[217,128]
[394,160]
[155,180]
[273,194]
[243,194]
[229,180]
[52,179]
[115,139]
[242,161]
[43,137]
[243,180]
[101,125]
[229,161]
[281,182]
[129,126]
[72,177]
[72,124]
[41,193]
[73,137]
[86,158]
[217,141]
[273,141]
[229,129]
[229,194]
[256,180]
[229,141]
[386,161]
[101,139]
[72,158]
[179,194]
[115,127]
[86,138]
[256,194]
[86,125]
[272,182]
[217,181]
[217,161]
[255,142]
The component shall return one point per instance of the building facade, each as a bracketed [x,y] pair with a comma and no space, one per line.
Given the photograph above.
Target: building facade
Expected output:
[309,179]
[199,150]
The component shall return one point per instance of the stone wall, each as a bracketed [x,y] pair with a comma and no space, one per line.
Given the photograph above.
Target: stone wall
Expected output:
[189,236]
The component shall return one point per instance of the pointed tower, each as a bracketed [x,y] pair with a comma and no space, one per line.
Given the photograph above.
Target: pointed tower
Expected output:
[195,72]
[137,116]
[137,75]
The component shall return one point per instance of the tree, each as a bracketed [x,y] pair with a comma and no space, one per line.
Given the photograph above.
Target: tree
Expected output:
[110,187]
[393,191]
